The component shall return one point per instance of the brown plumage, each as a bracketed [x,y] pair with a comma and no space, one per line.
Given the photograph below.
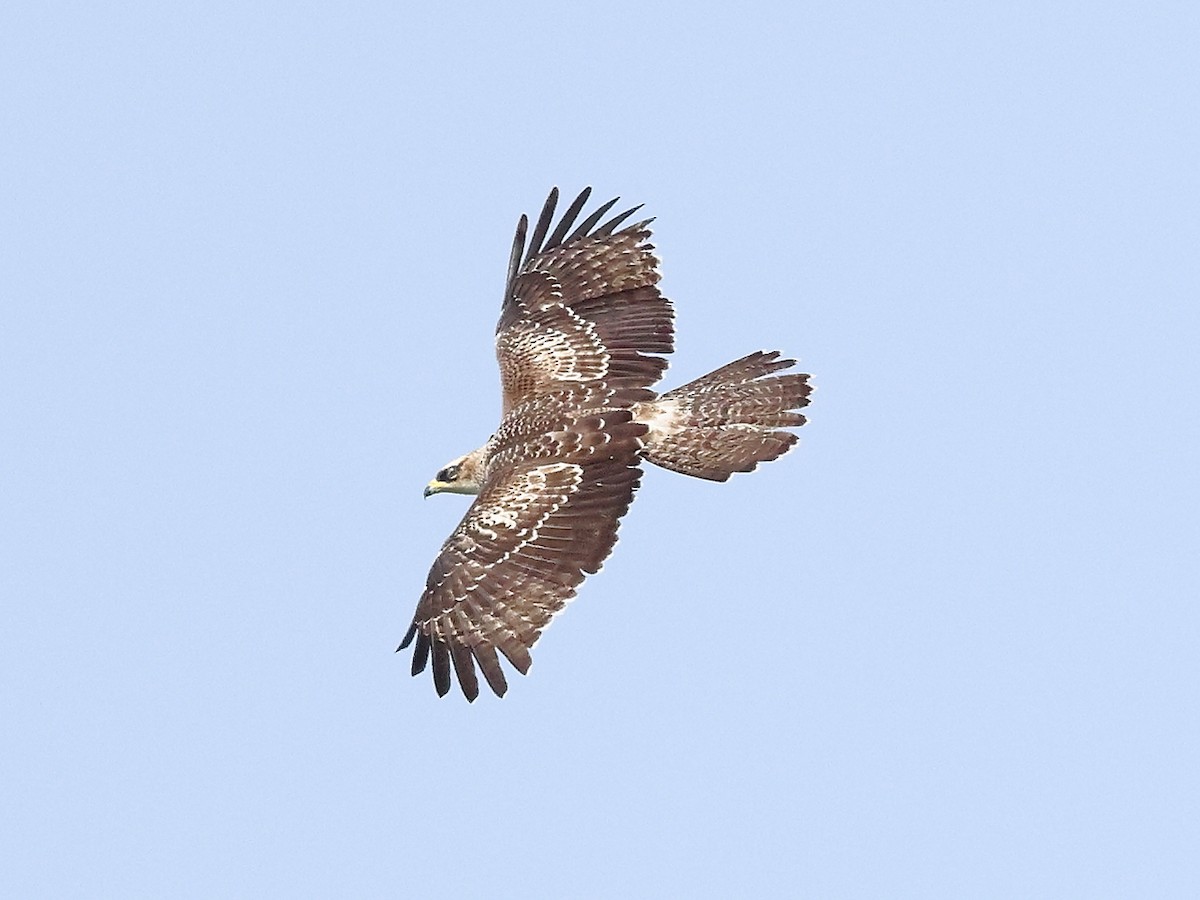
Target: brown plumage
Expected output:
[725,421]
[580,341]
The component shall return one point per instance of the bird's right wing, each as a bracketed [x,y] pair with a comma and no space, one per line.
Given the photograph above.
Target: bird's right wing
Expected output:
[545,519]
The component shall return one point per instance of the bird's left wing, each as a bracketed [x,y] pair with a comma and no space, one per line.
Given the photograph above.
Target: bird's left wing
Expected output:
[546,517]
[582,306]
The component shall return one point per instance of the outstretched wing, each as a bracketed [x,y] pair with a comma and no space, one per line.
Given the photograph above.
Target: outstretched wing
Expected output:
[547,517]
[582,306]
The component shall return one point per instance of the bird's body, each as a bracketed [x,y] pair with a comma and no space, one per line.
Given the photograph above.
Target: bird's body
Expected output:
[580,341]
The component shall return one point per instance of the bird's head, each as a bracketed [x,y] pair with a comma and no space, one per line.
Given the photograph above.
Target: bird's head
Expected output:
[459,476]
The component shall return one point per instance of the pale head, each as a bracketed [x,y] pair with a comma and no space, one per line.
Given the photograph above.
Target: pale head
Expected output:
[459,476]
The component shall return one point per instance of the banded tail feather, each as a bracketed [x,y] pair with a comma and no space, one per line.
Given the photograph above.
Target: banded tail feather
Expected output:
[728,420]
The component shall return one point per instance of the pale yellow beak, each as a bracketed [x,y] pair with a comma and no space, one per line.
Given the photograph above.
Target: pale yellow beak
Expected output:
[450,487]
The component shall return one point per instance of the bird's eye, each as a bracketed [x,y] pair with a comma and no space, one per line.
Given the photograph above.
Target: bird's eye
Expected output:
[450,473]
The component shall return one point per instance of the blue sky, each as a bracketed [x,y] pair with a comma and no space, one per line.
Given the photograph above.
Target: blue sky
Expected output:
[250,265]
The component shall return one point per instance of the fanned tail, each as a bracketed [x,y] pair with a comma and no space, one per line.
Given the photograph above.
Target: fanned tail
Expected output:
[728,420]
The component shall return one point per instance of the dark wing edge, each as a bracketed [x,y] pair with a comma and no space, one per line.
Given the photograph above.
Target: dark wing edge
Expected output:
[522,255]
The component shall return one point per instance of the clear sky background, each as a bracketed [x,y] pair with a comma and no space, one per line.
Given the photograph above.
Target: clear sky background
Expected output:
[251,260]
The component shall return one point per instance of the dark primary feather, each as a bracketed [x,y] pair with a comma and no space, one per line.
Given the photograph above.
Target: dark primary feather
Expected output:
[608,227]
[568,219]
[514,256]
[586,226]
[543,224]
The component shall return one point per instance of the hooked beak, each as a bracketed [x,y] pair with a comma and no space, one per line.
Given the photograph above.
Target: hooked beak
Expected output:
[434,487]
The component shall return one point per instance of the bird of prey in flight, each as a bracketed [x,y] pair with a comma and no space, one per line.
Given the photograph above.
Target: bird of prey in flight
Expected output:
[581,341]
